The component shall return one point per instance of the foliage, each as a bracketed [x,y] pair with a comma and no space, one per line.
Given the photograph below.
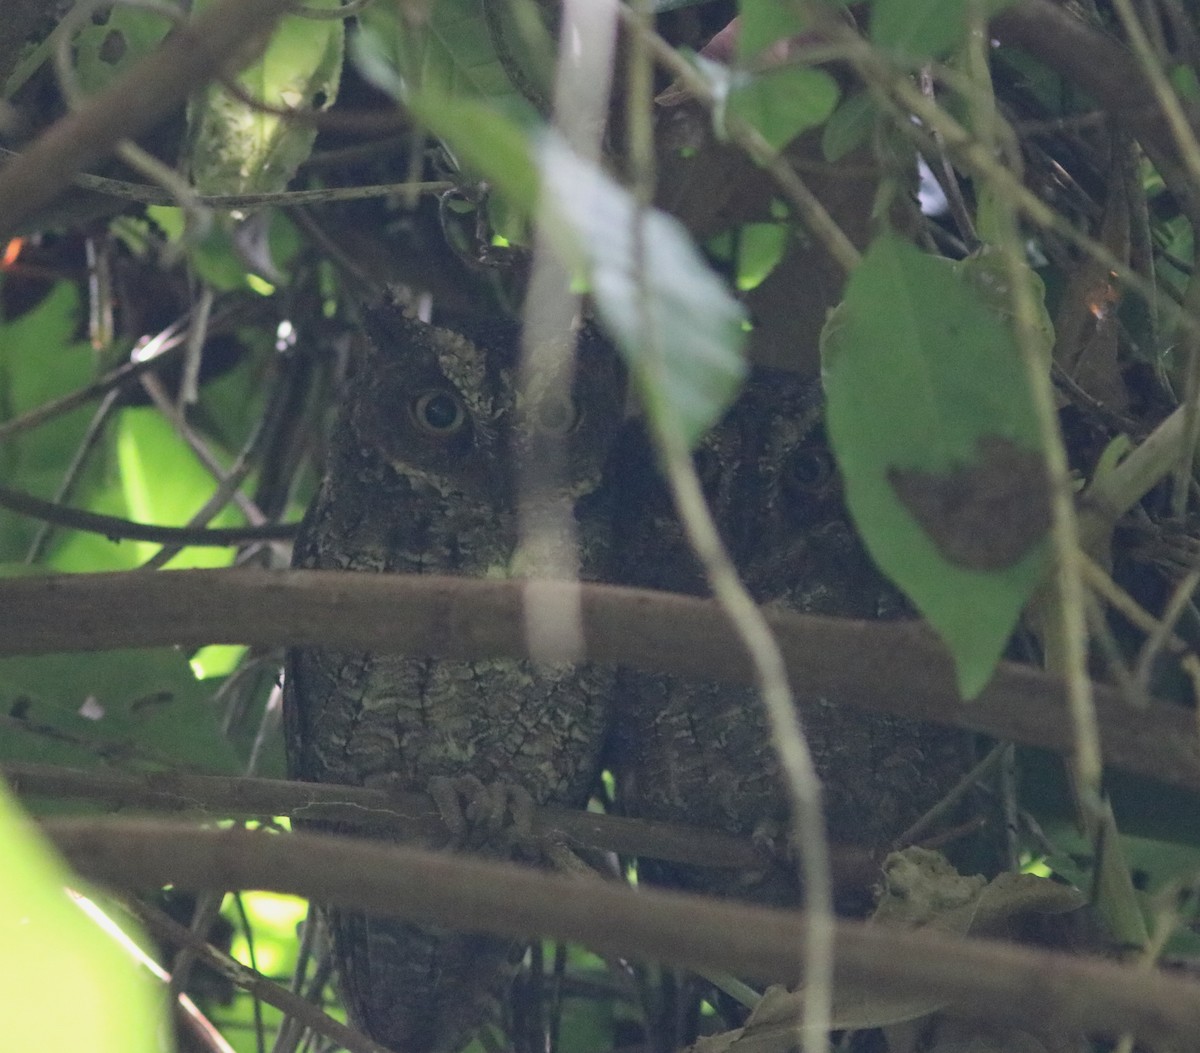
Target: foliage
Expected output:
[907,435]
[976,340]
[52,951]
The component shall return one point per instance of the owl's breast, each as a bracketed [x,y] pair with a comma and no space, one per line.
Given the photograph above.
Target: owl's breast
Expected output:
[388,719]
[403,531]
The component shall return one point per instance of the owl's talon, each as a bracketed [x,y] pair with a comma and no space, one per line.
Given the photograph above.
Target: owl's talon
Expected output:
[448,795]
[773,841]
[479,814]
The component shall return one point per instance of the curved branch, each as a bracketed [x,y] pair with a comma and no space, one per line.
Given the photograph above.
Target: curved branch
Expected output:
[893,667]
[990,981]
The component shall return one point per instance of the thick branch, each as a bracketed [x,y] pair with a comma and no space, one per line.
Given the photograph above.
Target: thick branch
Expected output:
[890,667]
[405,816]
[995,982]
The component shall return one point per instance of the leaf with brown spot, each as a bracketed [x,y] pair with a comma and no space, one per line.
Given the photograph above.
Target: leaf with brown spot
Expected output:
[983,516]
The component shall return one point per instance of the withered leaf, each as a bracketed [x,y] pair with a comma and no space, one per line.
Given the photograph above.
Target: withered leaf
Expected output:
[983,516]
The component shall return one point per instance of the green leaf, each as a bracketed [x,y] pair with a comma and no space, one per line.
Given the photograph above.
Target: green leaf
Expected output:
[472,108]
[158,480]
[448,54]
[763,22]
[784,102]
[274,919]
[917,31]
[487,143]
[52,955]
[164,483]
[1183,80]
[216,257]
[41,359]
[933,426]
[141,708]
[235,149]
[848,127]
[986,273]
[678,327]
[760,246]
[103,51]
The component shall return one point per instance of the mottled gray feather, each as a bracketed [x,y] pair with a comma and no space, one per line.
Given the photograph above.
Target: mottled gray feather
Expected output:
[699,752]
[411,487]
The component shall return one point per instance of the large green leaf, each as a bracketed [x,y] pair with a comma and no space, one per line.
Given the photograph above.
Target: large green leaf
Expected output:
[449,54]
[677,325]
[932,422]
[486,143]
[105,49]
[140,708]
[917,31]
[53,957]
[459,91]
[781,103]
[762,23]
[157,479]
[235,149]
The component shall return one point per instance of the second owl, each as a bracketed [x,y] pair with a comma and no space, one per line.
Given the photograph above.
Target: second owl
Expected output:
[696,751]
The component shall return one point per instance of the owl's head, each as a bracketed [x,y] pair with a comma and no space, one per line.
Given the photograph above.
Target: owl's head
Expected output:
[783,510]
[443,409]
[776,496]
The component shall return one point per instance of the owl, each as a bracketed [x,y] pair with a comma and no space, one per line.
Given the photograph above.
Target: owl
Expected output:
[420,479]
[699,752]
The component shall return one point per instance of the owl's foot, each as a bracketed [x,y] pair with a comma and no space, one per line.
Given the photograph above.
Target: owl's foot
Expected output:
[480,815]
[773,840]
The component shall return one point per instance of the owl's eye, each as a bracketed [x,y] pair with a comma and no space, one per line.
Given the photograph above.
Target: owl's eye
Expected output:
[556,416]
[439,412]
[809,469]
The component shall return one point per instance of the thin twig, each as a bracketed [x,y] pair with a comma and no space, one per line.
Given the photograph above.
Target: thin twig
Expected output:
[960,790]
[149,194]
[117,529]
[248,979]
[796,759]
[199,447]
[277,405]
[809,208]
[95,430]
